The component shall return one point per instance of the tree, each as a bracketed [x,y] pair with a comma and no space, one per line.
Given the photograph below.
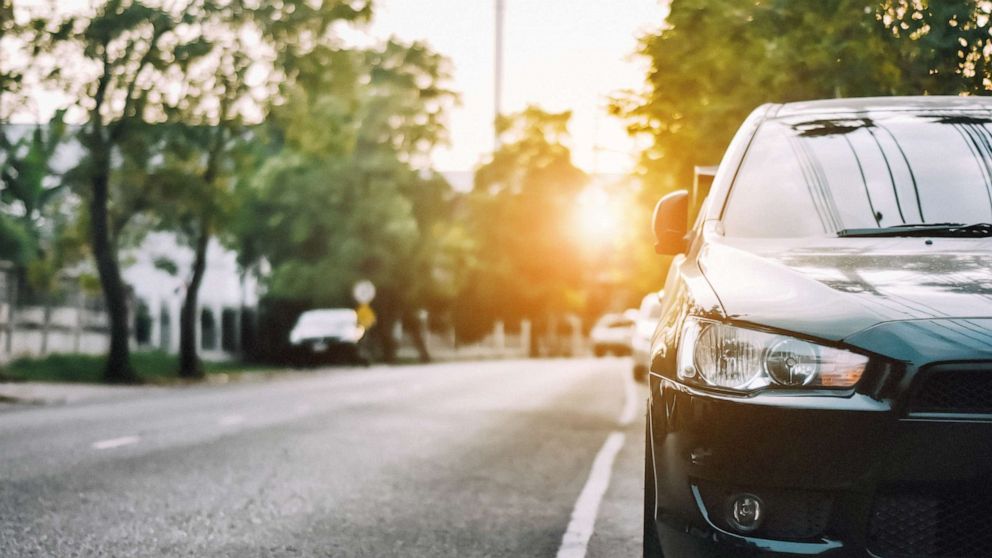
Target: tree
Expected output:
[215,124]
[713,61]
[134,63]
[27,175]
[521,209]
[10,75]
[15,241]
[62,245]
[38,227]
[346,196]
[192,195]
[944,47]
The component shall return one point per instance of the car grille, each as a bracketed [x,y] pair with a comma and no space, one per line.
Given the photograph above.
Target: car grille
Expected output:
[954,391]
[929,524]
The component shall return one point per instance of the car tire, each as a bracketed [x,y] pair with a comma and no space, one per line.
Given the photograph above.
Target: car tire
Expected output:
[652,544]
[640,373]
[600,352]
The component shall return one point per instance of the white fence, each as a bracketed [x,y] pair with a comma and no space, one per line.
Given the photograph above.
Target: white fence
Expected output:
[444,346]
[67,330]
[498,343]
[76,322]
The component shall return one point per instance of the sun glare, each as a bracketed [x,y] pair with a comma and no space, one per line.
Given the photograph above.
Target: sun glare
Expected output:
[598,216]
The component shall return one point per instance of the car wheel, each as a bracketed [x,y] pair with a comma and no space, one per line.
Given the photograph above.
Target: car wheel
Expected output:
[358,358]
[652,544]
[640,373]
[600,352]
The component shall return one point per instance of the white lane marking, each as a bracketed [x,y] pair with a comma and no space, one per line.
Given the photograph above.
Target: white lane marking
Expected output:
[580,527]
[116,442]
[231,420]
[629,411]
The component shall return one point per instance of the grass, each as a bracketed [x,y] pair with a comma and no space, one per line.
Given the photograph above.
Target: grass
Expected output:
[153,367]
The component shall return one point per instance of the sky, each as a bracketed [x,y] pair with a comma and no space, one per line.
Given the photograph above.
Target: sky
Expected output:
[558,54]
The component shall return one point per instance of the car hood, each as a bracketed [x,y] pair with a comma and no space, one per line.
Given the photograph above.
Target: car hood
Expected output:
[834,287]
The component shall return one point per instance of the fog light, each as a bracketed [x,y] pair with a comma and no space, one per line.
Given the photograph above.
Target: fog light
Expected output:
[745,512]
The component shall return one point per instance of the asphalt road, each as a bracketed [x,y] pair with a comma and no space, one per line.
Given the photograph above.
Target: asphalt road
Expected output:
[461,460]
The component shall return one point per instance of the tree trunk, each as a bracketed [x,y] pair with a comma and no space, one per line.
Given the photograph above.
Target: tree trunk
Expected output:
[413,325]
[77,330]
[11,324]
[189,361]
[46,325]
[384,331]
[118,369]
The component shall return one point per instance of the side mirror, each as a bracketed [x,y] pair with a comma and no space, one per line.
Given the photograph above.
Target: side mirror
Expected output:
[670,223]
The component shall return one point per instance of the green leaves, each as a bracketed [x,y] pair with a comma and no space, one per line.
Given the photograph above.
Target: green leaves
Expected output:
[26,174]
[520,211]
[17,243]
[341,199]
[716,60]
[117,18]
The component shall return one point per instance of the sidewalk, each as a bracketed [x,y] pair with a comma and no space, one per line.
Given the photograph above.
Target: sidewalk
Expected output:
[56,393]
[42,393]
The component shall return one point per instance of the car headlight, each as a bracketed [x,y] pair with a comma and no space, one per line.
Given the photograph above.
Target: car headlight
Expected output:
[724,356]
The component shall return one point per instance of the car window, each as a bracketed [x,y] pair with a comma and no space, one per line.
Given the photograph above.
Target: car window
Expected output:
[817,176]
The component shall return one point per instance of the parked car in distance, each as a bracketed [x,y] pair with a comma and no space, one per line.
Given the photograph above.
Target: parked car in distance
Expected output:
[611,334]
[821,377]
[327,334]
[644,326]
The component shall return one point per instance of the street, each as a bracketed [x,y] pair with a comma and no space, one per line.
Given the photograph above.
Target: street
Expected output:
[460,459]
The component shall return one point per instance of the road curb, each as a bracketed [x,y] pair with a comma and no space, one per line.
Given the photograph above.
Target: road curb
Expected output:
[40,393]
[11,400]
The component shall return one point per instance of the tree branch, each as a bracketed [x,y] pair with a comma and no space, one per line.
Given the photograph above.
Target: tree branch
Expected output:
[129,98]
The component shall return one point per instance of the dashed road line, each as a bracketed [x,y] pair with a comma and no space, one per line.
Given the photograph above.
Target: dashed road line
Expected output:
[231,420]
[116,442]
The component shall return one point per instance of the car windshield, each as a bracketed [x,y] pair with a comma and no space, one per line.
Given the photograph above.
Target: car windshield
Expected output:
[818,176]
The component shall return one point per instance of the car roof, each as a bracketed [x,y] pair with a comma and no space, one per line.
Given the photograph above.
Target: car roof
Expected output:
[330,313]
[612,317]
[865,104]
[651,298]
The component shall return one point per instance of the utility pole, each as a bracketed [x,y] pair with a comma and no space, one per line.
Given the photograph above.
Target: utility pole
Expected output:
[498,69]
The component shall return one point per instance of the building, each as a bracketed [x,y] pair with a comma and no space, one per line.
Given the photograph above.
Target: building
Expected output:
[158,272]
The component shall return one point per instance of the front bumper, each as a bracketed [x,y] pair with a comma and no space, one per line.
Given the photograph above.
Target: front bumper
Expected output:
[834,474]
[318,345]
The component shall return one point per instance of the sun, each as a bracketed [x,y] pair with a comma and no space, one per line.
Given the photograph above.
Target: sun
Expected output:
[598,217]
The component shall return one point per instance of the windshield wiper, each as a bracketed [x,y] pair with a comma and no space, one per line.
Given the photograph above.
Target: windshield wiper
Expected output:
[977,230]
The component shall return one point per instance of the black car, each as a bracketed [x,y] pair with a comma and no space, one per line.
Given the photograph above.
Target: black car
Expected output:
[821,379]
